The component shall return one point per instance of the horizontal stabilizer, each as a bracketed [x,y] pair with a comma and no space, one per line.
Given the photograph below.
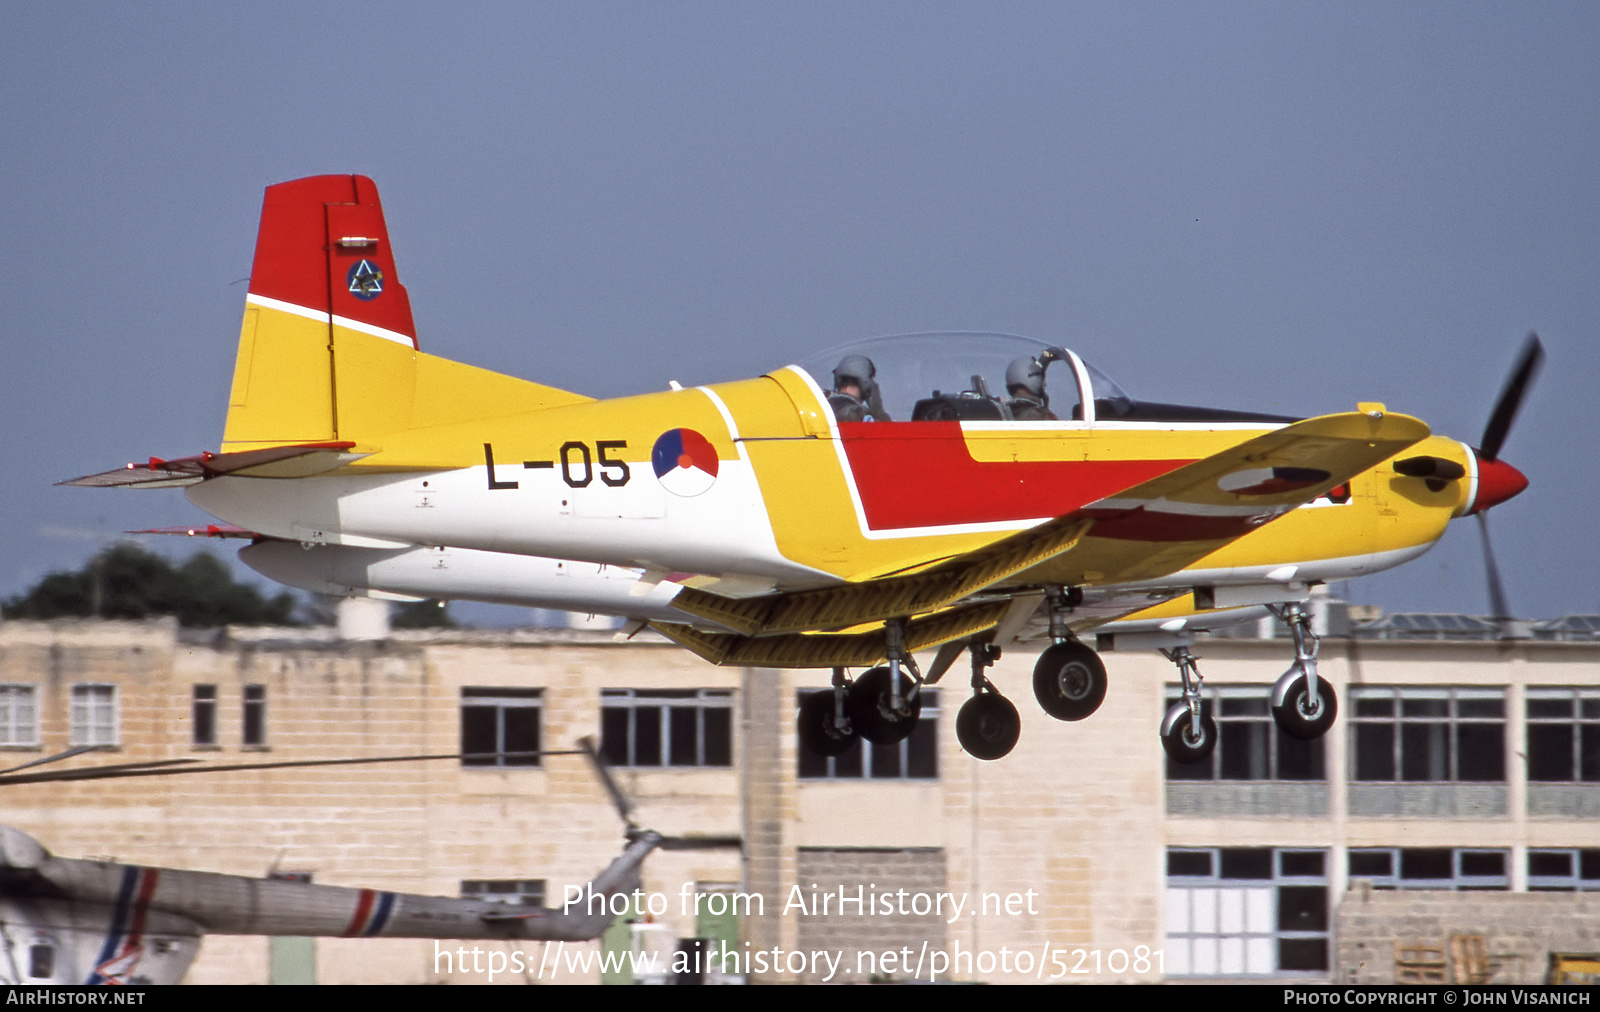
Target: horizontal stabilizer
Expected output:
[299,460]
[206,531]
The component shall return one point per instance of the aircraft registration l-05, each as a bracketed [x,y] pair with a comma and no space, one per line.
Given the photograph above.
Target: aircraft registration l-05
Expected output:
[892,496]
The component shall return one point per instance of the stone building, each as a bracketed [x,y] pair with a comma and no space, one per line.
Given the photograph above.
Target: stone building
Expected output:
[1082,856]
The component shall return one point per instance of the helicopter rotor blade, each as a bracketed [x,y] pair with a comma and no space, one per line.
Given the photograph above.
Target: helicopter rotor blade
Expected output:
[176,767]
[618,799]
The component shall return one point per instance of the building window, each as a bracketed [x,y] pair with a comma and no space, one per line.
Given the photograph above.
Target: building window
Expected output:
[1429,735]
[204,710]
[500,727]
[528,892]
[19,715]
[255,715]
[1246,911]
[1564,735]
[1458,869]
[916,758]
[1249,744]
[1563,870]
[669,727]
[94,715]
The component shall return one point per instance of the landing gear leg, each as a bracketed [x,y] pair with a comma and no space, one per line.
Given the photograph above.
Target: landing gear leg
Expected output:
[824,724]
[1188,733]
[1069,679]
[988,725]
[1303,703]
[885,703]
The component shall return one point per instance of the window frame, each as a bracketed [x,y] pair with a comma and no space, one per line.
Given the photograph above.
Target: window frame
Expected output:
[253,717]
[1582,723]
[1460,879]
[1411,733]
[203,706]
[1216,887]
[19,729]
[85,728]
[1582,875]
[500,700]
[710,710]
[511,892]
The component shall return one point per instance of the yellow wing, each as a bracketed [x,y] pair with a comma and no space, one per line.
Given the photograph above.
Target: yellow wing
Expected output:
[1147,531]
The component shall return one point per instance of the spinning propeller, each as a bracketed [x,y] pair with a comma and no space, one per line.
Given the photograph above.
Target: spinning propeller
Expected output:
[1494,481]
[1499,481]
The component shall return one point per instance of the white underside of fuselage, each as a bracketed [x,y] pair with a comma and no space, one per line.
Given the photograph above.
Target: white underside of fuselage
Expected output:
[722,532]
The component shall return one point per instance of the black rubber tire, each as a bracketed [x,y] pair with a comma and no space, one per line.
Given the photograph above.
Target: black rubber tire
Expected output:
[988,726]
[1069,681]
[1175,737]
[816,728]
[1289,710]
[870,714]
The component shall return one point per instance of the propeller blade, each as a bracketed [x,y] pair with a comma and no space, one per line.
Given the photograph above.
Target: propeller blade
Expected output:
[1505,409]
[1497,590]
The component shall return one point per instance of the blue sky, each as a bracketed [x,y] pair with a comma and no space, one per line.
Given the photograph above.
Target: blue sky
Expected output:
[1285,208]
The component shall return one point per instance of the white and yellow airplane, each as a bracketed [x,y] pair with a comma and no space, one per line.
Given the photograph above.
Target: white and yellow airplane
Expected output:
[876,500]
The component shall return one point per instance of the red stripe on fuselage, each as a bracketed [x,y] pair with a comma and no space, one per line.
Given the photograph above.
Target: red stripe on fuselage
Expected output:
[358,920]
[921,474]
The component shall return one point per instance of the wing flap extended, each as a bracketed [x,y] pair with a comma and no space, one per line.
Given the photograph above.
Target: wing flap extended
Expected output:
[298,460]
[826,650]
[1151,529]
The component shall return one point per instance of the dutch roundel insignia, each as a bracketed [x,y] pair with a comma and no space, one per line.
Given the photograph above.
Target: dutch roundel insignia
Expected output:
[684,461]
[366,280]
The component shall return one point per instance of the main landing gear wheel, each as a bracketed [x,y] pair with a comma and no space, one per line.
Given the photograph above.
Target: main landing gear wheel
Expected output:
[1299,715]
[988,726]
[872,712]
[1184,743]
[1069,680]
[819,734]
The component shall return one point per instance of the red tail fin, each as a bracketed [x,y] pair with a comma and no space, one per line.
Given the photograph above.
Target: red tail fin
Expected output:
[337,222]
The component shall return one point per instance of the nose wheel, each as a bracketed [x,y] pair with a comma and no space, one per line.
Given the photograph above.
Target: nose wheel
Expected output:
[1303,703]
[1185,739]
[1300,713]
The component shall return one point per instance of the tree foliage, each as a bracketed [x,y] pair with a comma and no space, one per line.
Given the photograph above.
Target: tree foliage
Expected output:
[126,581]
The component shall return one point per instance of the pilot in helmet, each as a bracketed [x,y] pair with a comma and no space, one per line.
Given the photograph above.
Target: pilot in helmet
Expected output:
[854,396]
[1025,384]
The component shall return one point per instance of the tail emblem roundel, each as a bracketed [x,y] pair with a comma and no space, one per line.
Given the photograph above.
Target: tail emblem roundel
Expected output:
[684,461]
[366,280]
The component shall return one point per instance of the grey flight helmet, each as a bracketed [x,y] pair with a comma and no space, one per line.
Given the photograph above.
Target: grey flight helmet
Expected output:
[1028,374]
[857,369]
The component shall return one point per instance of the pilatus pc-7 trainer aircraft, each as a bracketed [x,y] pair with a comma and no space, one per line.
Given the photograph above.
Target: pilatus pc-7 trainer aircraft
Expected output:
[950,491]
